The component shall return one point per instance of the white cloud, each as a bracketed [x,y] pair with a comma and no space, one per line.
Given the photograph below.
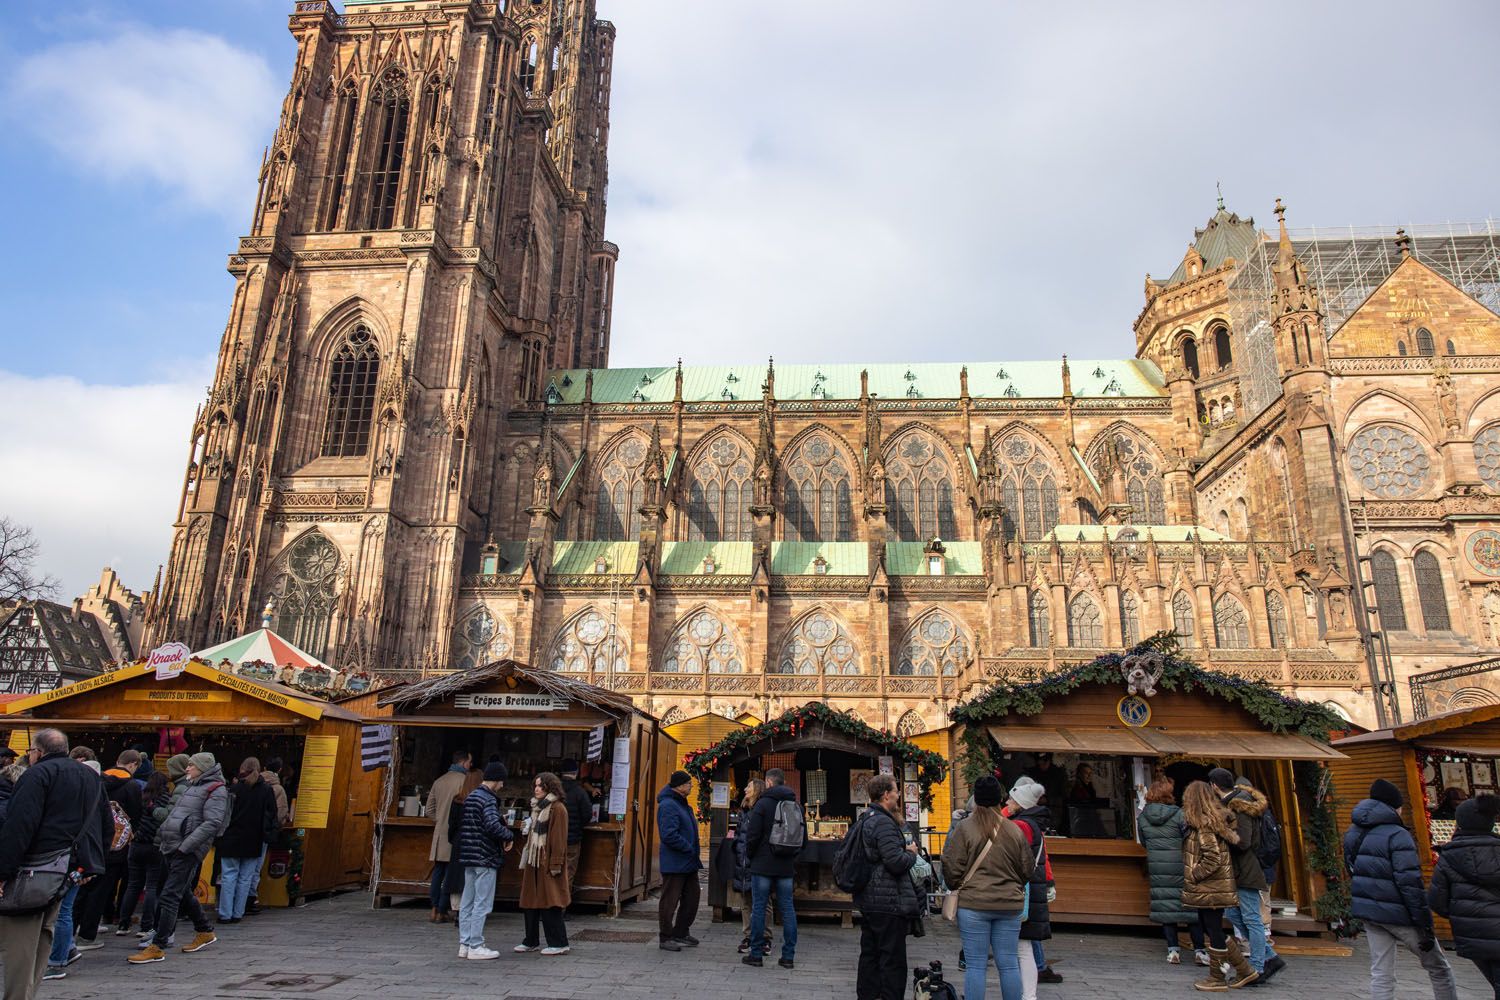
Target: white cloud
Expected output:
[96,471]
[183,109]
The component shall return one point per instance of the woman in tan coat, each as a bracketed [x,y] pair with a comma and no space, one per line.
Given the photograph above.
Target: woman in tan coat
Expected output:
[544,868]
[1208,884]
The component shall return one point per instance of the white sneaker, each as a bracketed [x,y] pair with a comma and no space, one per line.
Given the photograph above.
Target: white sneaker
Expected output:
[463,951]
[482,953]
[522,949]
[94,945]
[549,950]
[1174,957]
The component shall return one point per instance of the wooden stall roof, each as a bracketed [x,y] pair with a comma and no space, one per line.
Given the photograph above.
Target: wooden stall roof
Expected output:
[291,700]
[1156,741]
[445,687]
[1464,730]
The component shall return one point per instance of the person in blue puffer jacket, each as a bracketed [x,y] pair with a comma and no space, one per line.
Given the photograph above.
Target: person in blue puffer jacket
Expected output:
[483,838]
[677,831]
[1385,883]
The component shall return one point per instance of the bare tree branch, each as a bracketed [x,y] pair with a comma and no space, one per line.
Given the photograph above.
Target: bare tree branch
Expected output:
[18,554]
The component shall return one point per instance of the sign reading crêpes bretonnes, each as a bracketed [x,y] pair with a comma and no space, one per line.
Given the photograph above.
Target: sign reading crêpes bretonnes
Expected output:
[510,701]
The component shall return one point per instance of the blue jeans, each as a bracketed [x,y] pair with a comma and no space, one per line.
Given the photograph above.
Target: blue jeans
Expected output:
[435,893]
[236,877]
[475,904]
[760,896]
[991,932]
[1245,918]
[62,934]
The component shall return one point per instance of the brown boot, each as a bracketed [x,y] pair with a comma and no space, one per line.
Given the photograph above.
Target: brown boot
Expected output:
[1215,982]
[1242,975]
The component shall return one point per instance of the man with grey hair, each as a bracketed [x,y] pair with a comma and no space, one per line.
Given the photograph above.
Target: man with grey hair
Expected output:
[53,803]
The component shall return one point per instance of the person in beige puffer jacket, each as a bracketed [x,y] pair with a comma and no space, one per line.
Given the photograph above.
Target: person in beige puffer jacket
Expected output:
[1208,883]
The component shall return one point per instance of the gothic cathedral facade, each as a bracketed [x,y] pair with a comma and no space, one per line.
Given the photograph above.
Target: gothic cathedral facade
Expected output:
[415,457]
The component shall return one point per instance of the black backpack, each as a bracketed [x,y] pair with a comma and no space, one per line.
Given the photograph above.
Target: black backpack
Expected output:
[1268,851]
[852,867]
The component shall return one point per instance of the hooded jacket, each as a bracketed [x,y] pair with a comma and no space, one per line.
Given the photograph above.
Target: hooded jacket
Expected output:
[198,815]
[272,781]
[252,820]
[677,833]
[47,812]
[890,889]
[1208,868]
[1248,805]
[121,788]
[763,860]
[1034,823]
[1466,890]
[1161,829]
[1385,874]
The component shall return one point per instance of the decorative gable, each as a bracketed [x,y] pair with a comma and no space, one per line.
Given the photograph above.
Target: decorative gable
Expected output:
[1412,299]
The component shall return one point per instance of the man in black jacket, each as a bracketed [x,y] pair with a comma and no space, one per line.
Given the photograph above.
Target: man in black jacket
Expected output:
[580,815]
[98,898]
[53,803]
[771,868]
[888,900]
[241,848]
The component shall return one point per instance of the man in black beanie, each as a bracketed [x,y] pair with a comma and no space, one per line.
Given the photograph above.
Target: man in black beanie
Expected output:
[1248,806]
[1385,883]
[1466,885]
[580,814]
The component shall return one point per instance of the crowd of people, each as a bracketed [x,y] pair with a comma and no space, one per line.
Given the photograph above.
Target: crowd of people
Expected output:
[82,850]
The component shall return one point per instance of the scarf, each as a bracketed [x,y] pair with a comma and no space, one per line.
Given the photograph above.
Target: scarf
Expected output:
[541,816]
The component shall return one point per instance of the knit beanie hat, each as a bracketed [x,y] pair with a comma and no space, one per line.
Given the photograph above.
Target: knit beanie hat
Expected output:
[1027,793]
[177,766]
[1221,779]
[679,778]
[987,791]
[1384,791]
[203,761]
[1478,815]
[495,771]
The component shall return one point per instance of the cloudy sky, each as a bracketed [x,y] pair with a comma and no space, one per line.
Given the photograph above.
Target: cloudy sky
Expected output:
[834,181]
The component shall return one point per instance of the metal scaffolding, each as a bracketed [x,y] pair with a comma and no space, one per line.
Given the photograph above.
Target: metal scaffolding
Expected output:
[1346,265]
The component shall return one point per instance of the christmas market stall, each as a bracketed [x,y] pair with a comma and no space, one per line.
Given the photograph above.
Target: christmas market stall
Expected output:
[1096,735]
[531,721]
[190,706]
[829,758]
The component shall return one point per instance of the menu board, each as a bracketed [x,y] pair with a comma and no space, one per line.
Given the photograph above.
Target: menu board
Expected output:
[315,789]
[619,777]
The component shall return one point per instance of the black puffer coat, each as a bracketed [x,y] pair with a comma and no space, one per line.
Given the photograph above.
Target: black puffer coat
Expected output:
[1466,889]
[890,889]
[482,833]
[1247,805]
[1385,872]
[758,825]
[1038,924]
[1162,831]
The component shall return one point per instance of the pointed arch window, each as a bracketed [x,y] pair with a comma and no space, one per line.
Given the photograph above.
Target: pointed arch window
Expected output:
[303,590]
[589,642]
[1425,347]
[1182,618]
[719,495]
[1027,476]
[352,380]
[1143,479]
[1388,591]
[1276,619]
[818,497]
[919,488]
[1038,619]
[1085,626]
[528,65]
[910,724]
[1231,626]
[346,112]
[479,639]
[935,644]
[1431,594]
[620,493]
[703,643]
[818,644]
[1130,618]
[390,107]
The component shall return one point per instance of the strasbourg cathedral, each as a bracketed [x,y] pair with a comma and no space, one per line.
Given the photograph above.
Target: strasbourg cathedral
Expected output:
[415,457]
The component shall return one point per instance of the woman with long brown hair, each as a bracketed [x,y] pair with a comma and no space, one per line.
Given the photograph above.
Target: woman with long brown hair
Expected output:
[1208,883]
[544,868]
[753,791]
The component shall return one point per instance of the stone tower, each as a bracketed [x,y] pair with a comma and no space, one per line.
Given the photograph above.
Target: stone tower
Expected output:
[427,241]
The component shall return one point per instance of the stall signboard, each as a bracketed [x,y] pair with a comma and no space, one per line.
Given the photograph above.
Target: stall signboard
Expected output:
[510,701]
[315,788]
[619,778]
[168,660]
[721,795]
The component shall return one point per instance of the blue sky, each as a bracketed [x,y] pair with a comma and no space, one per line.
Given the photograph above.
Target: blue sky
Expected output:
[838,181]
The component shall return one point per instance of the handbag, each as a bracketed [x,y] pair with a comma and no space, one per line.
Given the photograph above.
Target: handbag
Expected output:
[40,882]
[950,901]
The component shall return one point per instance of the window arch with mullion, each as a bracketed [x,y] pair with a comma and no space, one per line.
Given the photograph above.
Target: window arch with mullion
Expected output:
[719,493]
[1028,485]
[353,376]
[1432,596]
[620,491]
[920,488]
[390,112]
[1388,600]
[817,491]
[345,115]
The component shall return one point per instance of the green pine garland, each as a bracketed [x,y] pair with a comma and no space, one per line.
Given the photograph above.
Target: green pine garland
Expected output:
[1325,853]
[702,764]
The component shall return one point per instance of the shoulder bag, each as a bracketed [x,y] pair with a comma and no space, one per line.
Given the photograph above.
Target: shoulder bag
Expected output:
[950,901]
[40,882]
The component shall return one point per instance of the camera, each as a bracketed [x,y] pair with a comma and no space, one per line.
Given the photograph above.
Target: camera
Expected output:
[928,983]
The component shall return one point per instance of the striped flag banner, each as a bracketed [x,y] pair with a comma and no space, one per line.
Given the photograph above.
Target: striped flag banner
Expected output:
[375,747]
[596,743]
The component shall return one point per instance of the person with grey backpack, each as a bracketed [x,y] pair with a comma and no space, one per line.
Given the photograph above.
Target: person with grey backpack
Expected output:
[775,834]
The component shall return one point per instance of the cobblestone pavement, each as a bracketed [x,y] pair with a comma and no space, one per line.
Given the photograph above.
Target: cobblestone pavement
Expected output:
[341,949]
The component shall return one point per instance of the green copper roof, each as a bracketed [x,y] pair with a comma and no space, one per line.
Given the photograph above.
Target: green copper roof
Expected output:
[989,379]
[908,559]
[797,558]
[1226,235]
[734,558]
[579,557]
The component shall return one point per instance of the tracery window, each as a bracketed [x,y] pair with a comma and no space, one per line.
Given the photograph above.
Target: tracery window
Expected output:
[620,493]
[390,106]
[352,381]
[934,645]
[1425,346]
[1143,480]
[1231,625]
[528,65]
[719,495]
[345,114]
[1028,488]
[1487,456]
[910,724]
[1389,462]
[1038,619]
[818,644]
[703,642]
[1431,595]
[818,498]
[589,641]
[478,639]
[303,590]
[1276,619]
[1085,626]
[1182,618]
[1130,618]
[1388,591]
[919,489]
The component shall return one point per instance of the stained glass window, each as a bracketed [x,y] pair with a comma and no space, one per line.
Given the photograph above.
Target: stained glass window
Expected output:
[936,644]
[719,496]
[700,643]
[817,494]
[1027,475]
[1431,595]
[589,641]
[1389,462]
[1487,456]
[620,493]
[303,591]
[919,488]
[480,638]
[1388,591]
[818,644]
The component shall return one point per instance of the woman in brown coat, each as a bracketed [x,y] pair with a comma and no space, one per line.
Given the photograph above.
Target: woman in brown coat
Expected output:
[544,868]
[1208,884]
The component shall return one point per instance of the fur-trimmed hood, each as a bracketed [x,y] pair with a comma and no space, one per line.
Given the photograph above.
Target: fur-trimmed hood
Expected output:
[1250,801]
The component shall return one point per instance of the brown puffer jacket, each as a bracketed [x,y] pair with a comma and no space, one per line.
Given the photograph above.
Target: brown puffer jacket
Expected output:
[1207,869]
